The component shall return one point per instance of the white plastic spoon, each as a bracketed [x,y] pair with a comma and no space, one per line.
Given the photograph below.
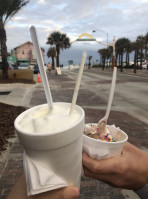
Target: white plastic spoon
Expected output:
[41,66]
[103,121]
[77,86]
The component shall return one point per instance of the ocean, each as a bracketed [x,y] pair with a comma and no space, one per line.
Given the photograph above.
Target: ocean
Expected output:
[75,54]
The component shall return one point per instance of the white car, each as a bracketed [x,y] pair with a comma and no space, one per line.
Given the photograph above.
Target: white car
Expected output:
[23,66]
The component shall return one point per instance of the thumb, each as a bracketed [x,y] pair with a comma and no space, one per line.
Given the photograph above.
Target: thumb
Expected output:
[70,193]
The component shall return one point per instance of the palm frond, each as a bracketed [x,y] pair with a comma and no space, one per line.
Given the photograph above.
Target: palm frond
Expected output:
[9,8]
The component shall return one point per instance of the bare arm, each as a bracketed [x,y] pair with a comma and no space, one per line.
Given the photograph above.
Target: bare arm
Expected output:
[128,170]
[19,191]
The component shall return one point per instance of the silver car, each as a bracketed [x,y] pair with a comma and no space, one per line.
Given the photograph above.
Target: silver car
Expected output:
[23,66]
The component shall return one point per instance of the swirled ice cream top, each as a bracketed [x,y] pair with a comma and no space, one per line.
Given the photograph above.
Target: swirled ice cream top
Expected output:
[43,120]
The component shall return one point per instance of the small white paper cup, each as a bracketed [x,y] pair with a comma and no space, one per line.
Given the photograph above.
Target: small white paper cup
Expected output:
[61,150]
[98,149]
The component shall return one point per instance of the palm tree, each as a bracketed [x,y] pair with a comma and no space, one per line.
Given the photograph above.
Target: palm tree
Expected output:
[109,51]
[7,10]
[134,48]
[103,54]
[146,37]
[100,52]
[122,46]
[127,45]
[120,52]
[141,44]
[116,55]
[51,53]
[89,59]
[146,46]
[60,41]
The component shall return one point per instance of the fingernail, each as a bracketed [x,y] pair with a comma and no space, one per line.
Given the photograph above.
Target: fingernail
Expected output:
[75,192]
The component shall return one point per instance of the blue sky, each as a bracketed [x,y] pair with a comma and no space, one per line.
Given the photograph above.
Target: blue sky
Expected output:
[74,17]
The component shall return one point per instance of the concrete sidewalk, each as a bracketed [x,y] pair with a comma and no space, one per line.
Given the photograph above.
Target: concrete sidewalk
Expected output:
[33,95]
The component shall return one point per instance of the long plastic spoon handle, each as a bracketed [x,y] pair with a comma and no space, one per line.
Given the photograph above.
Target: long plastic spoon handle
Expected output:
[41,66]
[77,86]
[111,95]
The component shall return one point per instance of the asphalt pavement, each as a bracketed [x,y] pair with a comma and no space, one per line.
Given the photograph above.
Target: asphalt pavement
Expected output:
[62,87]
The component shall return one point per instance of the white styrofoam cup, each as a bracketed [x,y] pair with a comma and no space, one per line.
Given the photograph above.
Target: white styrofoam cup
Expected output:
[61,150]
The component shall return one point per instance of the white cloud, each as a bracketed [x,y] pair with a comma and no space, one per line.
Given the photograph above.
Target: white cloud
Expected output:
[128,12]
[17,18]
[141,1]
[41,2]
[74,17]
[10,26]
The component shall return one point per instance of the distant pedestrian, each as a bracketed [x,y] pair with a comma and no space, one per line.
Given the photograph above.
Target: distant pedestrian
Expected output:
[49,67]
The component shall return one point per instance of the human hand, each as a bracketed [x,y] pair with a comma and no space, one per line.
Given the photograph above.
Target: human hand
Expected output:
[19,191]
[128,170]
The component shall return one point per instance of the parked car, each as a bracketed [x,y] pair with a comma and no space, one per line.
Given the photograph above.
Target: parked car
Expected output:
[15,67]
[36,69]
[23,66]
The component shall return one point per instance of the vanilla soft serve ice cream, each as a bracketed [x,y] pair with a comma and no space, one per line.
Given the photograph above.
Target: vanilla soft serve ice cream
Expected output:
[43,120]
[52,141]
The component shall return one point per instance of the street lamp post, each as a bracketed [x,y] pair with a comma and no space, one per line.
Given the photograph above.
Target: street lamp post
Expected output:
[102,32]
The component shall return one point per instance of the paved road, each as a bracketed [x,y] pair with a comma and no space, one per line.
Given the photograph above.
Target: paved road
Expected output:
[130,94]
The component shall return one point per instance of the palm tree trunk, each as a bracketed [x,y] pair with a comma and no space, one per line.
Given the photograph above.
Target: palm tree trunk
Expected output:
[110,61]
[116,59]
[145,50]
[57,56]
[135,61]
[121,69]
[56,59]
[58,65]
[137,55]
[101,60]
[52,62]
[89,62]
[119,60]
[126,59]
[103,63]
[141,59]
[3,50]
